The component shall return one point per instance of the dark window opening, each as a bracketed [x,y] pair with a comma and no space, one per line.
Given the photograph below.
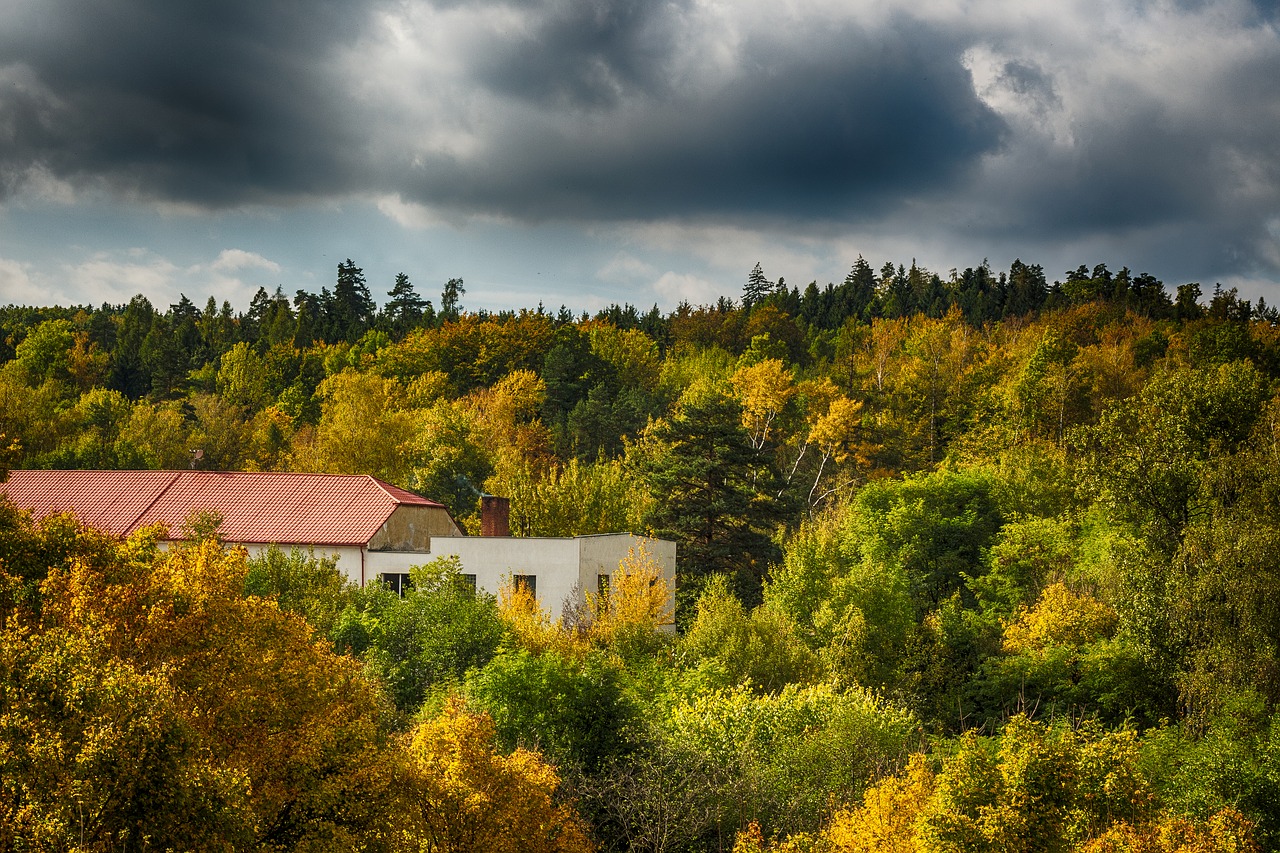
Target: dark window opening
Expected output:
[529,582]
[397,583]
[602,585]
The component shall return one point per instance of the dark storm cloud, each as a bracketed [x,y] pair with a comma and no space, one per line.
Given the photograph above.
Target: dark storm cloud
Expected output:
[587,54]
[209,103]
[827,124]
[241,101]
[1187,175]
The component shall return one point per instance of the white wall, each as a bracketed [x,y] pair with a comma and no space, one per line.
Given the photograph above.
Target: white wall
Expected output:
[350,557]
[563,567]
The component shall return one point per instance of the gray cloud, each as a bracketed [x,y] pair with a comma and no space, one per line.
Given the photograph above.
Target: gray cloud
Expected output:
[998,124]
[853,121]
[205,103]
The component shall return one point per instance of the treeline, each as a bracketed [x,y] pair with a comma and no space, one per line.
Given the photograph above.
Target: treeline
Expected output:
[953,575]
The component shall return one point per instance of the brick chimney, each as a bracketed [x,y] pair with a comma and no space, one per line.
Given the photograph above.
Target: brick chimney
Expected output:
[495,516]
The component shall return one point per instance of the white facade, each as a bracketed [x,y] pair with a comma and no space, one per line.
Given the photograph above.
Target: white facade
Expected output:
[561,567]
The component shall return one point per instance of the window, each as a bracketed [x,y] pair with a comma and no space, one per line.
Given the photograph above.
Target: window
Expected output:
[467,581]
[397,583]
[529,582]
[602,585]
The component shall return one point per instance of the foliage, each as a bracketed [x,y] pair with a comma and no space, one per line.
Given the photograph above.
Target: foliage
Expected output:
[732,646]
[982,494]
[637,600]
[575,712]
[470,798]
[427,640]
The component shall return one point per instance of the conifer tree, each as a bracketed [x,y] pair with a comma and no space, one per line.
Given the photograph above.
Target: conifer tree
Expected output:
[758,287]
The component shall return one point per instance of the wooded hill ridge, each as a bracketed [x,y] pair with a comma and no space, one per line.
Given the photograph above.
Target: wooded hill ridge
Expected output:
[975,563]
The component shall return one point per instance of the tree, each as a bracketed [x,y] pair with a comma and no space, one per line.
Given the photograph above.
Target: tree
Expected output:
[732,646]
[171,691]
[364,427]
[713,494]
[576,712]
[450,304]
[352,305]
[405,308]
[432,636]
[129,375]
[757,287]
[857,293]
[470,798]
[1148,454]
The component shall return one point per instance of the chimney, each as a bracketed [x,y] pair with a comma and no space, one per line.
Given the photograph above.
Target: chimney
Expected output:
[495,516]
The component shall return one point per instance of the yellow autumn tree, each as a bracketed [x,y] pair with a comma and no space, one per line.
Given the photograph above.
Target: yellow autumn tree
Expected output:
[638,597]
[764,389]
[259,696]
[533,628]
[1228,831]
[890,811]
[469,798]
[1059,617]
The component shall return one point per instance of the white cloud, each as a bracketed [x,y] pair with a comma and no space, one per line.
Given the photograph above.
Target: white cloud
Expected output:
[673,287]
[233,260]
[625,268]
[17,286]
[104,278]
[408,214]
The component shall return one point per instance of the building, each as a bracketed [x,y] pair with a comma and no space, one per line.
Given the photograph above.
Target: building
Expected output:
[376,531]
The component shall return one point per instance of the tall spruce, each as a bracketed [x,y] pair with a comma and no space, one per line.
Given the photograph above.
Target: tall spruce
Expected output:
[757,287]
[353,306]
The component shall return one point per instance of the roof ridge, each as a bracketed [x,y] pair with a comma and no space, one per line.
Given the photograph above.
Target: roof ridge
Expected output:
[383,487]
[169,485]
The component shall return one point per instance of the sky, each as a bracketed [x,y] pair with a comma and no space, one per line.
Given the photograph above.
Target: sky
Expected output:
[585,152]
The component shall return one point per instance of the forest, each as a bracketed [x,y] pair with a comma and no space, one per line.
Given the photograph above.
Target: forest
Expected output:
[974,562]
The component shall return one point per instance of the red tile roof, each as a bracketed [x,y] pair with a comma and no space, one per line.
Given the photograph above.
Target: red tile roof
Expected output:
[257,507]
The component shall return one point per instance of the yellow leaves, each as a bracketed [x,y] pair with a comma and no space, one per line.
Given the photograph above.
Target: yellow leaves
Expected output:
[573,499]
[1228,831]
[363,429]
[533,628]
[836,432]
[471,799]
[633,353]
[886,821]
[506,420]
[764,390]
[1061,617]
[1035,788]
[638,597]
[259,694]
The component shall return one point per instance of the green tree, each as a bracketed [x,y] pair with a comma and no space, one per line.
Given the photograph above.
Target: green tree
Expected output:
[757,287]
[731,646]
[429,639]
[352,305]
[1148,454]
[714,494]
[405,308]
[574,712]
[450,299]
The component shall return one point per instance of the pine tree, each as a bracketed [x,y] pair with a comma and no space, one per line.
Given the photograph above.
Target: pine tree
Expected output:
[352,305]
[405,308]
[758,287]
[715,496]
[859,293]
